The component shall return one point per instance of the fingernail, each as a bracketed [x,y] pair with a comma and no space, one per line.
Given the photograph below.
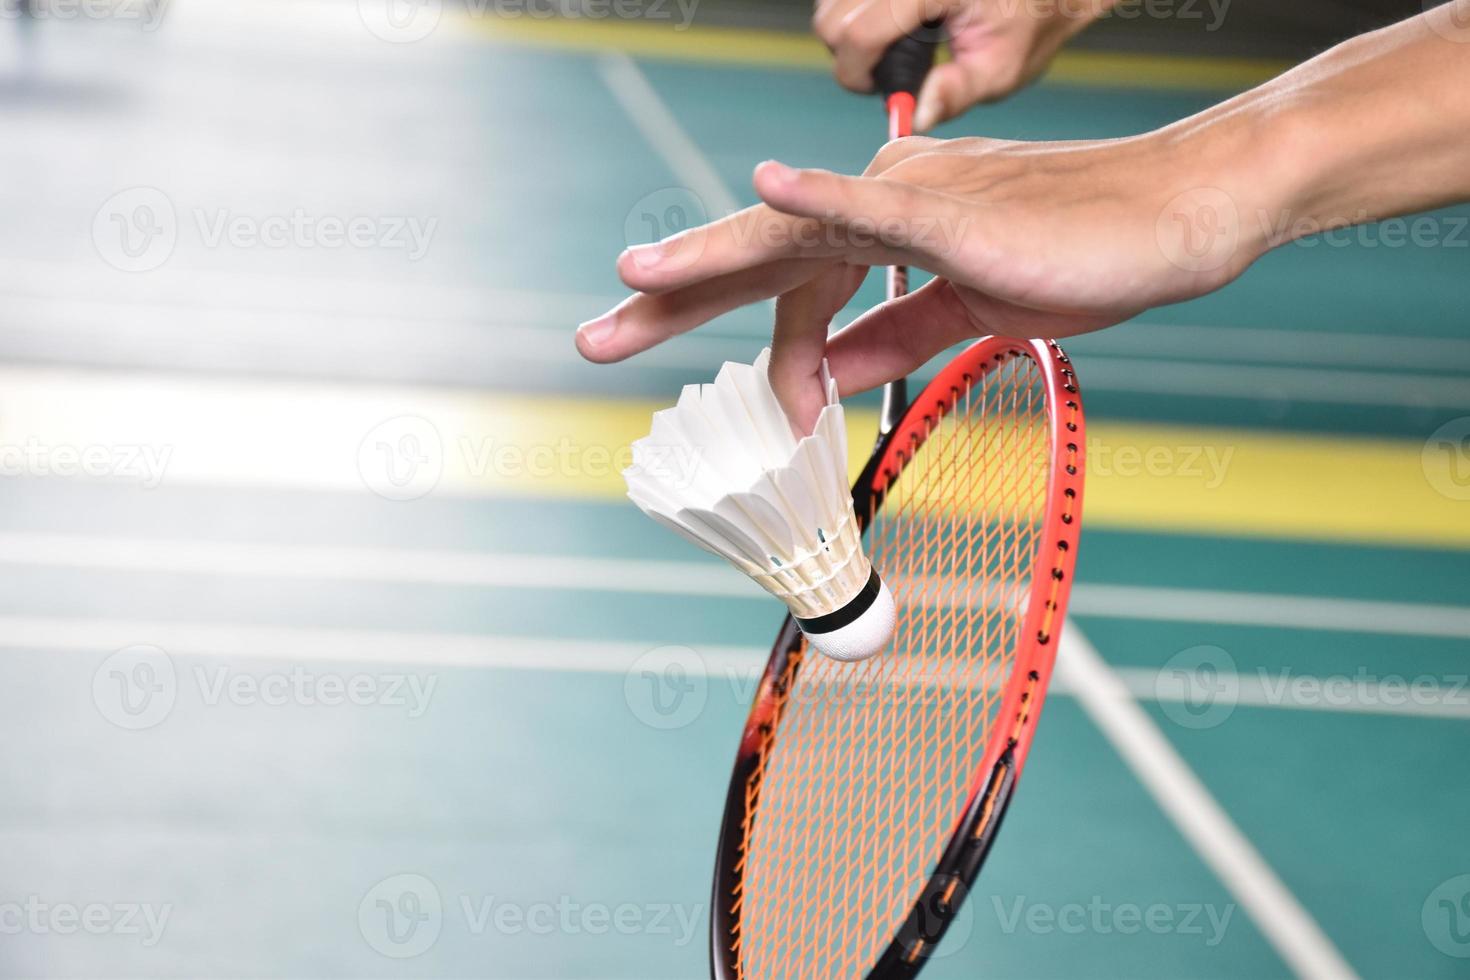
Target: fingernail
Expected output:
[777,171]
[597,332]
[925,117]
[646,256]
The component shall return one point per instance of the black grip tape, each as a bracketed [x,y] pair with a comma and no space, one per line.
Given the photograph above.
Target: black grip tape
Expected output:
[905,64]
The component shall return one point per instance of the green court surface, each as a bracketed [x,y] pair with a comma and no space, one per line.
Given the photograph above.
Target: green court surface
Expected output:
[266,720]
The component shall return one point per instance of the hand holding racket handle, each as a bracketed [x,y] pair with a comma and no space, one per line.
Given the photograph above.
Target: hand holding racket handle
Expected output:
[907,61]
[900,73]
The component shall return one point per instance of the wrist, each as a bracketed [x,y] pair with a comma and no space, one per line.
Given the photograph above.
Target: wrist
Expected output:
[1235,178]
[1371,130]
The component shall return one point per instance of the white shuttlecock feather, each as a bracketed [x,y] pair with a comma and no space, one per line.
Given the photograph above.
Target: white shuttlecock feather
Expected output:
[723,469]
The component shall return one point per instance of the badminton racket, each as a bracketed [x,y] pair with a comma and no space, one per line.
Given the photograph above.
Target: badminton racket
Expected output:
[866,796]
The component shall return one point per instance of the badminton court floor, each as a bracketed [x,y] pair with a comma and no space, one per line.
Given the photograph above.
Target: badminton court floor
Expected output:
[277,704]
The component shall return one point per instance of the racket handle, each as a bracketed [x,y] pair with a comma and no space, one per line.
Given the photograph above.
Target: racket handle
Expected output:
[907,61]
[899,75]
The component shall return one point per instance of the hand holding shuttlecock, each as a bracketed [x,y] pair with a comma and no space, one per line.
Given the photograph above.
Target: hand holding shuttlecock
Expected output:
[775,507]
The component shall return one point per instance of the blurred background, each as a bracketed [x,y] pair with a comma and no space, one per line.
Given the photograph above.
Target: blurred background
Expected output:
[332,649]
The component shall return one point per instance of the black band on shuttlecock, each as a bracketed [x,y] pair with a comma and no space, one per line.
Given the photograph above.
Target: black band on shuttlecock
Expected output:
[855,607]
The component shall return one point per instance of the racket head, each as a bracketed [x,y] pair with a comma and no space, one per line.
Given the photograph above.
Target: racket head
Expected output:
[865,796]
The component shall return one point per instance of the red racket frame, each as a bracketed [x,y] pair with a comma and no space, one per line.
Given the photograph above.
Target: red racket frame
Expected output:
[1025,689]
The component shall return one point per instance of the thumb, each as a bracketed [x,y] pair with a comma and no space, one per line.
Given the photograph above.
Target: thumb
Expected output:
[949,90]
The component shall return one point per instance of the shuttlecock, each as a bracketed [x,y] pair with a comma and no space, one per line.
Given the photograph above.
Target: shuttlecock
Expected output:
[723,469]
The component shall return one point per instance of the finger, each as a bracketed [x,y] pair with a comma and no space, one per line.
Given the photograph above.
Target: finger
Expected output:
[827,17]
[753,237]
[859,34]
[646,320]
[896,151]
[893,340]
[955,86]
[874,220]
[802,318]
[947,92]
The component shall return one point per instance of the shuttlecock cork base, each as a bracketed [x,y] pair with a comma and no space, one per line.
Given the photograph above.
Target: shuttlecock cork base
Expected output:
[723,469]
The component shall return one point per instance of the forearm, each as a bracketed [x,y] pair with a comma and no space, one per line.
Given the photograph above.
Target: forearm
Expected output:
[1371,129]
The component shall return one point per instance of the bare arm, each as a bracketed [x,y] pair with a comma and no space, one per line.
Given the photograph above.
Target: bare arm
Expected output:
[1053,239]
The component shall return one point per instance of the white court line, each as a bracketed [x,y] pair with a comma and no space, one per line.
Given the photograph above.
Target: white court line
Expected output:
[648,112]
[478,569]
[733,665]
[1274,610]
[1287,926]
[1432,698]
[326,645]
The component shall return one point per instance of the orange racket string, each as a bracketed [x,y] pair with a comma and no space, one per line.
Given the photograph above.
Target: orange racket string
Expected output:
[849,809]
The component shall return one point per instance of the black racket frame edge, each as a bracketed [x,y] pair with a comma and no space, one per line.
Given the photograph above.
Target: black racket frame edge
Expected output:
[954,874]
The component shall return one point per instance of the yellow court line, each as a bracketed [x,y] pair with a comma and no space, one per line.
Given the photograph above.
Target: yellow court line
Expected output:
[781,49]
[157,430]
